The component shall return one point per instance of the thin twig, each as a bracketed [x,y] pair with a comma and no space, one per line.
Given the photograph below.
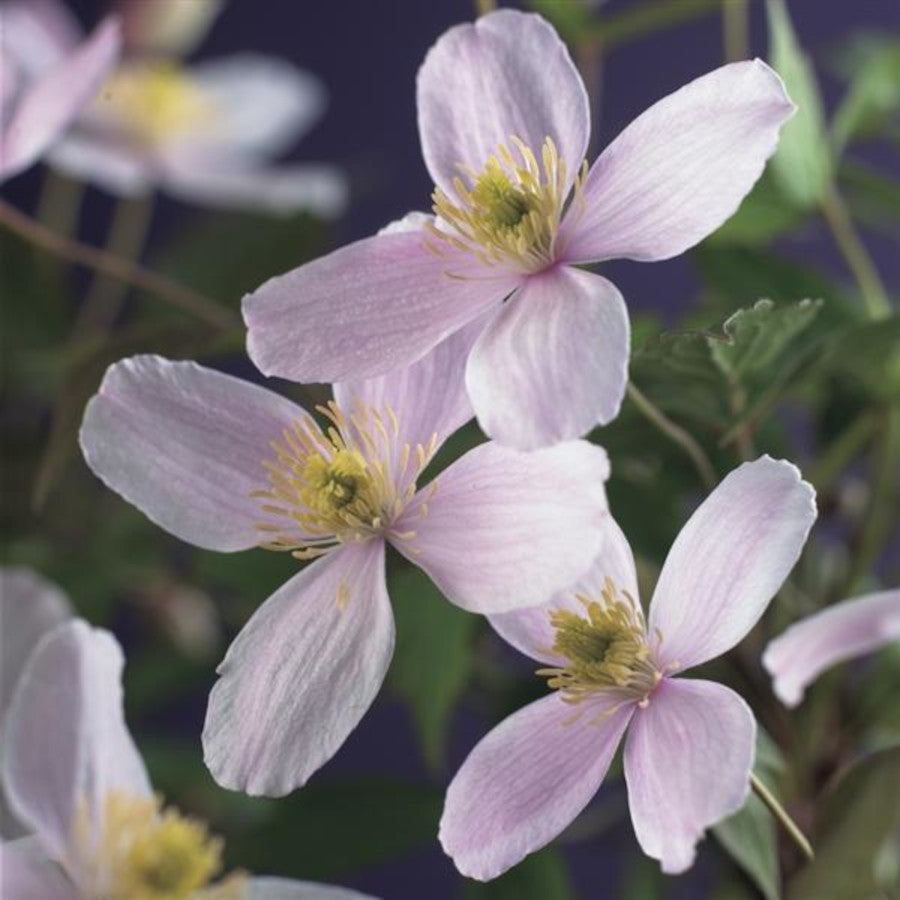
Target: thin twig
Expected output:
[855,254]
[780,813]
[675,433]
[81,254]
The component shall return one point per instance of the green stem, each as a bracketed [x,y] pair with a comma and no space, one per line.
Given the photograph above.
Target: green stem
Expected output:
[483,7]
[734,29]
[845,447]
[676,434]
[780,813]
[59,202]
[651,15]
[855,254]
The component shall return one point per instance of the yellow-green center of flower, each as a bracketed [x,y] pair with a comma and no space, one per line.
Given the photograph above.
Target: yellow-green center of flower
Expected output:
[348,482]
[155,101]
[145,852]
[606,649]
[509,212]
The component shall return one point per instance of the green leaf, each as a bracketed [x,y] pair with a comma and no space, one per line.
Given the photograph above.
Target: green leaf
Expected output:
[872,196]
[764,215]
[569,19]
[433,656]
[541,876]
[868,356]
[856,818]
[802,163]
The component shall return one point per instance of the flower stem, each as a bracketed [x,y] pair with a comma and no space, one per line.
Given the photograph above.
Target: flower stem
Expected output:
[734,29]
[675,433]
[777,810]
[483,7]
[73,251]
[855,254]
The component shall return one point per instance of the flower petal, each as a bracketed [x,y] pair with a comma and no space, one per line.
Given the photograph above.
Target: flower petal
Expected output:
[30,606]
[111,165]
[288,889]
[729,560]
[506,529]
[26,873]
[301,674]
[679,170]
[363,310]
[508,74]
[841,632]
[37,34]
[529,630]
[525,782]
[66,742]
[51,103]
[554,363]
[185,445]
[687,764]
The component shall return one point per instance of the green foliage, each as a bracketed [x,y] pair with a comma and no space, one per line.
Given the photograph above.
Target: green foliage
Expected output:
[541,876]
[764,215]
[868,356]
[433,657]
[855,818]
[802,164]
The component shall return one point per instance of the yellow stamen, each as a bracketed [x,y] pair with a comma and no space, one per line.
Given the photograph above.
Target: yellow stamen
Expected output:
[607,649]
[511,210]
[156,100]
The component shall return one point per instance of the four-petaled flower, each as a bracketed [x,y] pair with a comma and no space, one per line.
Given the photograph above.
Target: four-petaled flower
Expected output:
[690,743]
[504,125]
[227,465]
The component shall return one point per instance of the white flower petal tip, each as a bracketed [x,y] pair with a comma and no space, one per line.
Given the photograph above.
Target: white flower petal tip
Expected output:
[842,632]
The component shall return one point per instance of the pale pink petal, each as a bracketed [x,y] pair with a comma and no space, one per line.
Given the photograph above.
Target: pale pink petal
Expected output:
[36,35]
[363,310]
[186,445]
[526,781]
[66,743]
[245,184]
[554,363]
[677,172]
[111,164]
[729,560]
[841,632]
[688,758]
[529,630]
[301,674]
[508,74]
[48,106]
[506,529]
[288,889]
[30,606]
[27,873]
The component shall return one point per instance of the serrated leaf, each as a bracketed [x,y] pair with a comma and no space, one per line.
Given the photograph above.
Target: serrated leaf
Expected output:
[856,817]
[541,876]
[433,656]
[802,164]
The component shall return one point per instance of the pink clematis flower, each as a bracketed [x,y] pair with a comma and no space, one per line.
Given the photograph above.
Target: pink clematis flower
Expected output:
[504,125]
[205,133]
[227,465]
[690,743]
[836,634]
[41,97]
[75,777]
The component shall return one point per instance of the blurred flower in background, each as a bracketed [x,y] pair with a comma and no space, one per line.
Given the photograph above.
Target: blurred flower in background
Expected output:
[205,133]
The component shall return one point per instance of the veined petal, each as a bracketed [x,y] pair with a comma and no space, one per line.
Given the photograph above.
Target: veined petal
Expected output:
[508,74]
[841,632]
[729,560]
[66,743]
[27,873]
[506,529]
[186,446]
[301,674]
[554,362]
[288,889]
[688,758]
[679,170]
[526,781]
[30,606]
[49,105]
[363,310]
[530,631]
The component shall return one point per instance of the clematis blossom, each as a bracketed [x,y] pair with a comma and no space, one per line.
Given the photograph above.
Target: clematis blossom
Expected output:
[227,465]
[75,777]
[41,97]
[504,123]
[206,133]
[836,634]
[690,743]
